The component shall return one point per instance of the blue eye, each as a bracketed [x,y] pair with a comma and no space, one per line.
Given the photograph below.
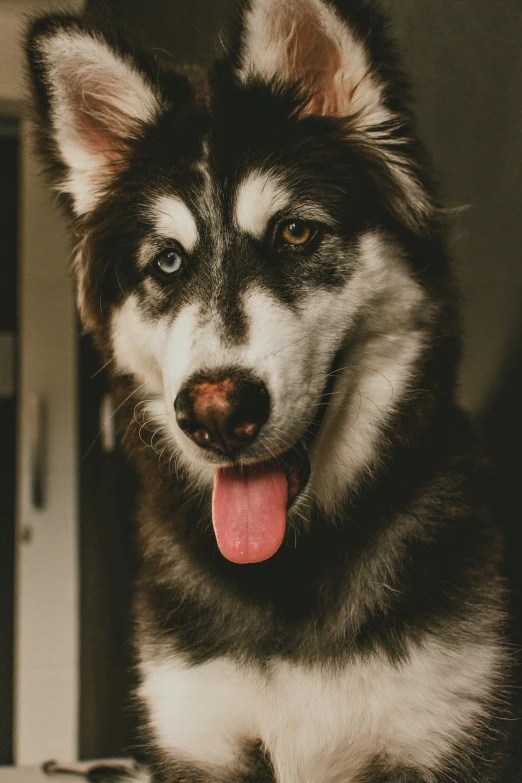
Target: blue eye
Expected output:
[168,263]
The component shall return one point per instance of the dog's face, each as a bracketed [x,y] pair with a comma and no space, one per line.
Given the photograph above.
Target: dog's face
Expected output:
[240,248]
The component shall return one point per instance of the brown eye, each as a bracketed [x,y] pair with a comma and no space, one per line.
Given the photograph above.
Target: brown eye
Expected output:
[295,233]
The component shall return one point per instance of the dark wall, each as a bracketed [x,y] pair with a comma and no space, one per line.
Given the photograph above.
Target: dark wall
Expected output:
[465,60]
[185,31]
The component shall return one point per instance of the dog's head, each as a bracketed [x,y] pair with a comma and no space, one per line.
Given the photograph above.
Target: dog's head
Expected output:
[249,247]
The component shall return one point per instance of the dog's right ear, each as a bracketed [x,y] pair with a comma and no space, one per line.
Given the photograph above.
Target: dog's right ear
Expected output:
[93,100]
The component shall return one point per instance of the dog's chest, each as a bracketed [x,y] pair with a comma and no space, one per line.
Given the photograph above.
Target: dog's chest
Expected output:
[318,724]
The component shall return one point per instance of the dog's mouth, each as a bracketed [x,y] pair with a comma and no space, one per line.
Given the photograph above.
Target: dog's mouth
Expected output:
[250,504]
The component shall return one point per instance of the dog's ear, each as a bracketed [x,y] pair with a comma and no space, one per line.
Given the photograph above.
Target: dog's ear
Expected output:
[344,66]
[93,100]
[306,42]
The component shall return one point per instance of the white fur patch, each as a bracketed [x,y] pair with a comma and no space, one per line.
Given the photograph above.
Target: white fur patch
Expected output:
[258,198]
[372,381]
[87,79]
[139,346]
[187,704]
[321,725]
[174,220]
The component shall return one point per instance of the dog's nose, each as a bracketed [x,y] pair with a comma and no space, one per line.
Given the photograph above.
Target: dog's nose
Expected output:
[223,413]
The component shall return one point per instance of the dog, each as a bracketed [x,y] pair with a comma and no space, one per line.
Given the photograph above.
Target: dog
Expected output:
[260,258]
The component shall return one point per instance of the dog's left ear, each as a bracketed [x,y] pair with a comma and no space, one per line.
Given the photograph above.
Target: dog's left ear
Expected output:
[93,99]
[308,43]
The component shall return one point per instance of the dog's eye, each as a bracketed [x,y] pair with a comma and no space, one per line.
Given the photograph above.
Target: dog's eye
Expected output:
[295,233]
[167,263]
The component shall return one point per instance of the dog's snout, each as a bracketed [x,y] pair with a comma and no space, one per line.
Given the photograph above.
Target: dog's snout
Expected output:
[223,413]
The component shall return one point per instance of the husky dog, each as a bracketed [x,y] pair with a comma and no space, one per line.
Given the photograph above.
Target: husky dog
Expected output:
[260,257]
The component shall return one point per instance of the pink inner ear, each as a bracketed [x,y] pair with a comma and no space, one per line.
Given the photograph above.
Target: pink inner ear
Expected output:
[102,127]
[313,59]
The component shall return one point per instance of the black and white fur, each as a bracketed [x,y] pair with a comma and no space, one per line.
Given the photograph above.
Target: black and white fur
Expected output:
[372,647]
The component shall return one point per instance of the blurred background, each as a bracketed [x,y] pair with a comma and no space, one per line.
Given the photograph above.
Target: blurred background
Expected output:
[66,501]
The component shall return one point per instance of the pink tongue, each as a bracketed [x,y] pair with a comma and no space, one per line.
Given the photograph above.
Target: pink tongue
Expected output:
[249,512]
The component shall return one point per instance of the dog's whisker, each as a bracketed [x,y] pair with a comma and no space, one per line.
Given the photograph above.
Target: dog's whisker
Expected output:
[100,369]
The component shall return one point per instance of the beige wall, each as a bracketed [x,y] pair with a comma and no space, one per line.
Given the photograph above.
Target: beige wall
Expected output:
[46,686]
[13,17]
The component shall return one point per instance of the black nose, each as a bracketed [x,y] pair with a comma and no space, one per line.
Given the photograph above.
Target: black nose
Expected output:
[222,412]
